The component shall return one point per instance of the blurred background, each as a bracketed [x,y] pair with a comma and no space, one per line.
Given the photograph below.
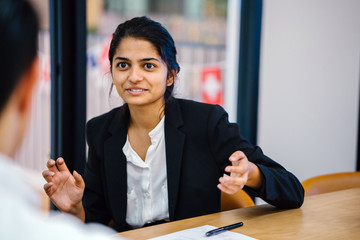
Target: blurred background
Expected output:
[287,71]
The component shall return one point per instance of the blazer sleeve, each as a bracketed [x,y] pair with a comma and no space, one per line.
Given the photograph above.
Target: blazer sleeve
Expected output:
[279,188]
[94,200]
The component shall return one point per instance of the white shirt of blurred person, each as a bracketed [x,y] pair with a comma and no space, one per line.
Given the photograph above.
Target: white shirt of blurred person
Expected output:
[20,214]
[22,217]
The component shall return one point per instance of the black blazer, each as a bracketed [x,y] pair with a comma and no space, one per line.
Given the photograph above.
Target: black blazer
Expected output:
[199,140]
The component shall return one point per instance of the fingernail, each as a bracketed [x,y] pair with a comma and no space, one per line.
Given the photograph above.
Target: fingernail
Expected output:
[51,173]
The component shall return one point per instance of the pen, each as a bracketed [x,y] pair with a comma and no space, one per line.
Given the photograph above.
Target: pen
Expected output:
[222,229]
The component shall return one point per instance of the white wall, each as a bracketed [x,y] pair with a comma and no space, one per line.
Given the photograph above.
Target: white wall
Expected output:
[309,84]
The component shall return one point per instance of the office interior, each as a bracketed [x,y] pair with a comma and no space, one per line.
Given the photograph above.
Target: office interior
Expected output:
[287,71]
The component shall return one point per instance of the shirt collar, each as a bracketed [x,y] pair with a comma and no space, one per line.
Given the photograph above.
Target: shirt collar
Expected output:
[156,132]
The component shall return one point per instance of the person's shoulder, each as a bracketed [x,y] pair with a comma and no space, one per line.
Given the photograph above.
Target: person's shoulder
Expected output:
[105,116]
[36,225]
[98,127]
[104,119]
[22,182]
[72,228]
[188,105]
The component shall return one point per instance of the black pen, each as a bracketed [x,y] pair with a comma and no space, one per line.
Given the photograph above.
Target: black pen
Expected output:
[222,229]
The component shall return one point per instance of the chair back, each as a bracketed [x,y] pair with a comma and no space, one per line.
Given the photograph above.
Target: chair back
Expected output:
[238,200]
[331,182]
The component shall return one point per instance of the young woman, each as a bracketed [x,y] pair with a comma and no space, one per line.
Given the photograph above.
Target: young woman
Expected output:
[158,158]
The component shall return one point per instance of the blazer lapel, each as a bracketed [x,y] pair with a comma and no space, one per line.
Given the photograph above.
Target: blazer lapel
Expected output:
[174,140]
[115,165]
[115,160]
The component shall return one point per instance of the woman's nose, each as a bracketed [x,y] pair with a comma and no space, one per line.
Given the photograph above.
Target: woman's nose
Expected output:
[135,75]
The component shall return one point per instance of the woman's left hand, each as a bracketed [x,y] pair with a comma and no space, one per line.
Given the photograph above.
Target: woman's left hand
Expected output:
[242,172]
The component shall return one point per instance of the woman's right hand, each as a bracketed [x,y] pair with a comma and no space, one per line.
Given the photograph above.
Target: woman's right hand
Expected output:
[64,189]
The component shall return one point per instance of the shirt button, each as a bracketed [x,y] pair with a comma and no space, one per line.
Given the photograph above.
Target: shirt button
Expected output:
[147,195]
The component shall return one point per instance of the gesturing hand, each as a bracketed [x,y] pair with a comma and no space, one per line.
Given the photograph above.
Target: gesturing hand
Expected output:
[242,172]
[64,189]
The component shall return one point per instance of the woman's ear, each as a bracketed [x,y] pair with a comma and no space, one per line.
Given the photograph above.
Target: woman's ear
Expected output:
[171,78]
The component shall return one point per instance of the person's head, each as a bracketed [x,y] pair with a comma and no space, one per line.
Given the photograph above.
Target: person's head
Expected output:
[18,69]
[143,28]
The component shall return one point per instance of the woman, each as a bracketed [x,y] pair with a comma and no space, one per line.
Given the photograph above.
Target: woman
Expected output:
[158,158]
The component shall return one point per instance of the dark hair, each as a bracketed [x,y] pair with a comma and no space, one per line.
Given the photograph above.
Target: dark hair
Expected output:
[149,30]
[18,43]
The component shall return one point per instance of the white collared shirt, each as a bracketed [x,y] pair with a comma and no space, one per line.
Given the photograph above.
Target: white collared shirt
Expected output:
[147,195]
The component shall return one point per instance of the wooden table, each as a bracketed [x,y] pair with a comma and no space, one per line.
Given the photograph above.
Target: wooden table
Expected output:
[327,216]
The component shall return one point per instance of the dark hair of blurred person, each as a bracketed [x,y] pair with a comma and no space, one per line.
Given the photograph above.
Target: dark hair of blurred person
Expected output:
[18,44]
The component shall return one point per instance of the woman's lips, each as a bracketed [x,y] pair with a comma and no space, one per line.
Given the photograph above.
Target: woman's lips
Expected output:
[135,91]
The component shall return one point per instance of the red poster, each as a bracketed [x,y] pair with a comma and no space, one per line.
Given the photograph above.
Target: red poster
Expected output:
[212,87]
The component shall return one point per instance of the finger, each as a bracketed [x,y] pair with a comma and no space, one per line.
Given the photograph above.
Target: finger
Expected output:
[51,165]
[61,164]
[236,156]
[231,186]
[227,189]
[236,182]
[79,182]
[239,170]
[47,175]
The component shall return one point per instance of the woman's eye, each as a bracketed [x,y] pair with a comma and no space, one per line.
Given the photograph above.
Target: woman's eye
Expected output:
[122,65]
[149,65]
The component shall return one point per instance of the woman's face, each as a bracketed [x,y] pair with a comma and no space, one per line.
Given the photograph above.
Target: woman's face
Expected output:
[139,74]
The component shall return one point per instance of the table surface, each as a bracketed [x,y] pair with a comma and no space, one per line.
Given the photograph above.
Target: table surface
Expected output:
[334,215]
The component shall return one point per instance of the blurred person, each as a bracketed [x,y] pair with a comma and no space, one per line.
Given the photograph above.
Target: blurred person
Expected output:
[21,214]
[158,158]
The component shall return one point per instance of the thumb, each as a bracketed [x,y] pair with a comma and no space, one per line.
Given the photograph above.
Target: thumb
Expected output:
[79,182]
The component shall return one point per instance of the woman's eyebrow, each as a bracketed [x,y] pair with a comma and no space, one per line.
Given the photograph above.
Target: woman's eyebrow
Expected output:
[148,59]
[122,58]
[141,60]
